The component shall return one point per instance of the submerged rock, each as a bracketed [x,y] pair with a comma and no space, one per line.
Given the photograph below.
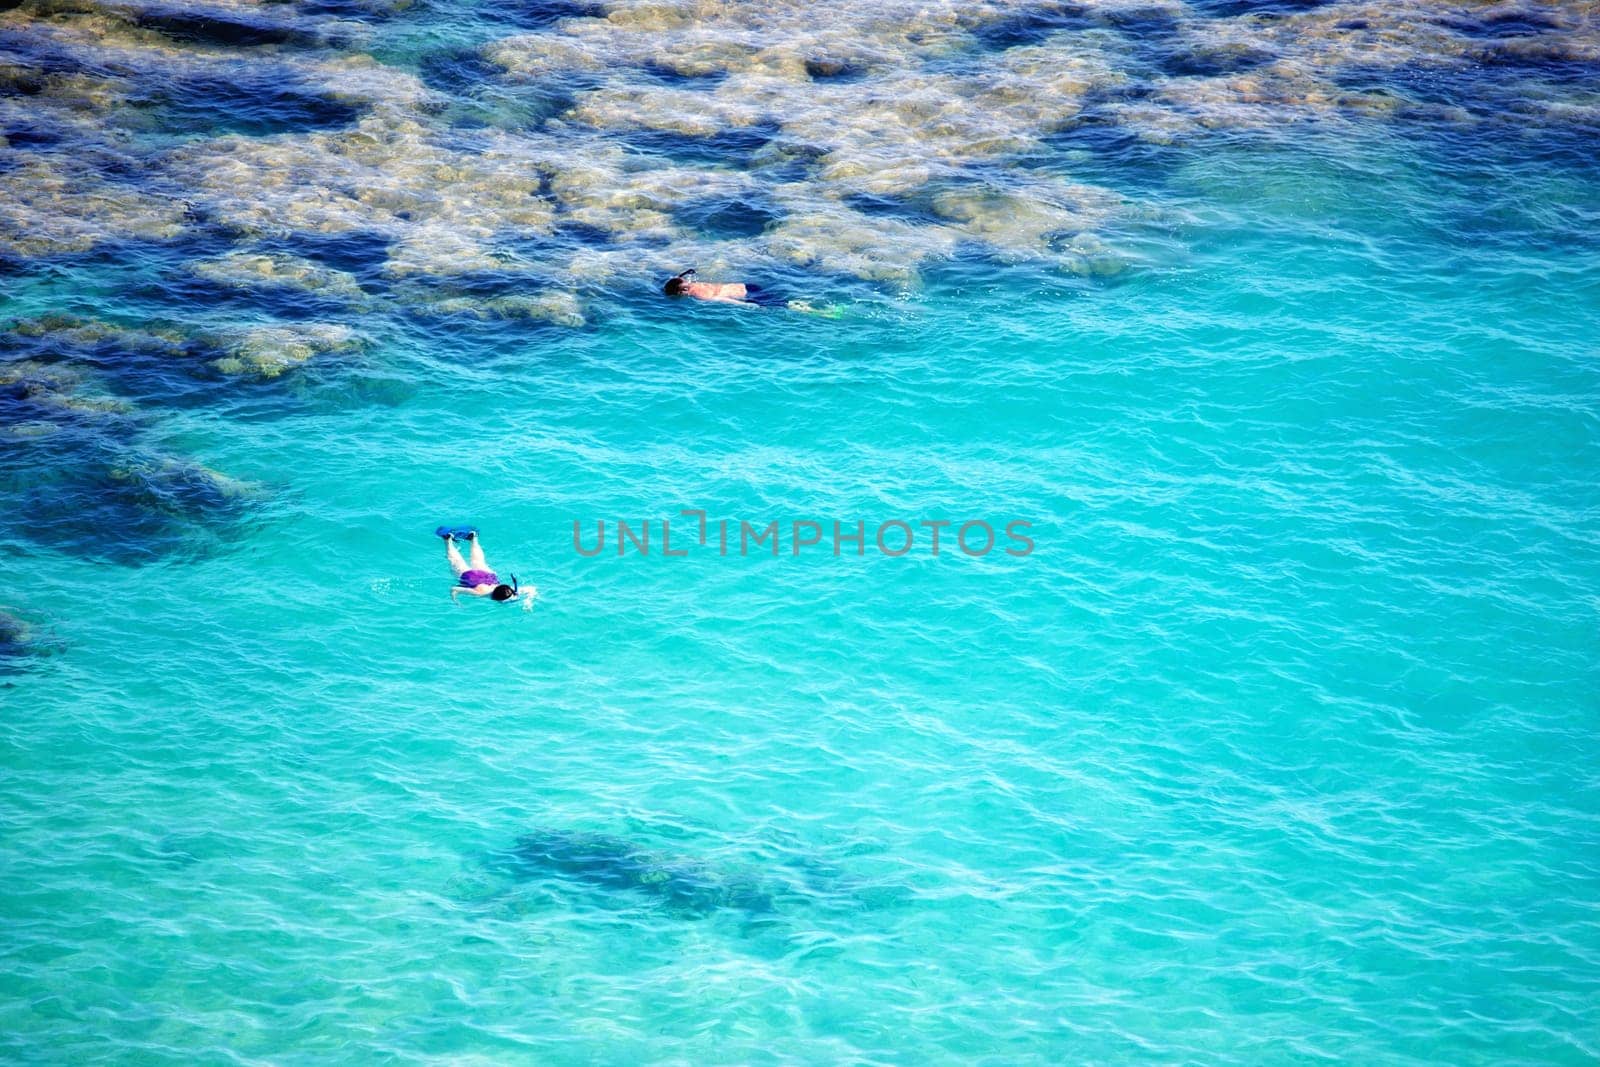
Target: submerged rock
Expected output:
[74,473]
[268,351]
[54,205]
[265,350]
[19,641]
[279,272]
[64,331]
[838,240]
[35,395]
[613,863]
[14,633]
[176,487]
[552,306]
[1023,222]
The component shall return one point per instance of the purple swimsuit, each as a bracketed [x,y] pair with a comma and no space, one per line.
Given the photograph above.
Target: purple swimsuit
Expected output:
[475,578]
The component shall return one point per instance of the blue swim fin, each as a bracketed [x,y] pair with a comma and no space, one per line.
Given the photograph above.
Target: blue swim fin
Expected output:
[459,532]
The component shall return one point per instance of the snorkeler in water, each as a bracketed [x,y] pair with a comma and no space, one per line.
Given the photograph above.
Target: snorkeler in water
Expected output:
[475,578]
[683,284]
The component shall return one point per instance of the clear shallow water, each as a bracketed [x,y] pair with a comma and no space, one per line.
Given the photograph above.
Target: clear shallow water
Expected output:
[1280,746]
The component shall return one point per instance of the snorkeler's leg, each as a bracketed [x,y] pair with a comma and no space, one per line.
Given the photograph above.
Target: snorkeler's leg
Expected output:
[827,311]
[457,564]
[478,562]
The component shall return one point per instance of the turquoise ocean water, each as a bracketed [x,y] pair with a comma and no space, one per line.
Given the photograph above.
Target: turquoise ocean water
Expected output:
[1278,748]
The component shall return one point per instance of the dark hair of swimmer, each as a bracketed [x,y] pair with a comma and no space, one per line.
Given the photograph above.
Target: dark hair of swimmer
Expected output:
[675,284]
[502,592]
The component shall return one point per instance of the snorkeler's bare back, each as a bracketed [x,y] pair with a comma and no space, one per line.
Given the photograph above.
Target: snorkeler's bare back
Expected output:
[725,292]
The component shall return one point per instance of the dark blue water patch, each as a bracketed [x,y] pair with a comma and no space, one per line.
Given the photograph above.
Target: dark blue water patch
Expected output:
[1544,148]
[1518,228]
[256,101]
[1517,23]
[784,159]
[1416,82]
[484,98]
[28,136]
[111,164]
[568,232]
[1487,88]
[180,290]
[1488,166]
[1161,48]
[1551,64]
[457,71]
[1228,9]
[1207,62]
[1144,24]
[732,147]
[358,252]
[722,219]
[916,209]
[524,14]
[350,10]
[40,58]
[1032,26]
[202,235]
[670,78]
[552,99]
[1103,151]
[224,27]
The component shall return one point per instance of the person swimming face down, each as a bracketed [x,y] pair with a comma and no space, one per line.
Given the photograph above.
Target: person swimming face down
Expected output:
[683,284]
[475,578]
